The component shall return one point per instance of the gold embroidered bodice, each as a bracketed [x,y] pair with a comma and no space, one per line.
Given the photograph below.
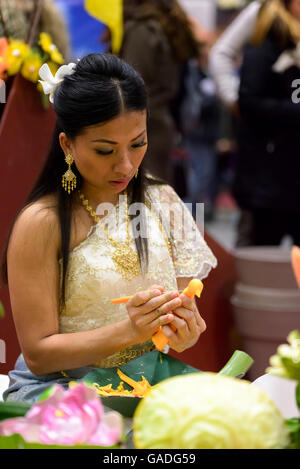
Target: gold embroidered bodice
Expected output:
[92,279]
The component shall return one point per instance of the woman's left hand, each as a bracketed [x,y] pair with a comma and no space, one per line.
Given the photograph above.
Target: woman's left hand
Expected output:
[189,325]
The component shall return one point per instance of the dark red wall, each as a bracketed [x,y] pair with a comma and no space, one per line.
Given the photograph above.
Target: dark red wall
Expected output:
[25,134]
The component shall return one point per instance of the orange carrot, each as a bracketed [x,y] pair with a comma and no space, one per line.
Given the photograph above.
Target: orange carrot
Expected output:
[296,263]
[160,340]
[124,299]
[195,287]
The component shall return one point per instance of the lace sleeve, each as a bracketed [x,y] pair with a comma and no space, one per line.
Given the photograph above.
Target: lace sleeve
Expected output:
[191,255]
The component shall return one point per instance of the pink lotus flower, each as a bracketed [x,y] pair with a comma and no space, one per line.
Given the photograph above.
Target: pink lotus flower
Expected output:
[71,417]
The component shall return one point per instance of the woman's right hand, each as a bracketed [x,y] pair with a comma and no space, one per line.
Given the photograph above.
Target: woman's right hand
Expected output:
[150,309]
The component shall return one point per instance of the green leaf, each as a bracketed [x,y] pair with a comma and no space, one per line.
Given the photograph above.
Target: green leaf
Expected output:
[13,409]
[2,312]
[298,395]
[10,442]
[17,442]
[154,366]
[46,394]
[294,429]
[36,50]
[46,57]
[292,367]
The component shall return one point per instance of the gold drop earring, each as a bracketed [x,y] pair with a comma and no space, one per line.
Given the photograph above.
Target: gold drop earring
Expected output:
[136,174]
[69,178]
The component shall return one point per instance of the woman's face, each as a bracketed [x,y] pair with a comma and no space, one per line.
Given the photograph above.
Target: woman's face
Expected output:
[294,8]
[108,155]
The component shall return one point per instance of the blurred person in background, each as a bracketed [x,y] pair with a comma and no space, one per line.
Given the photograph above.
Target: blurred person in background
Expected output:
[224,64]
[226,52]
[16,17]
[268,164]
[158,40]
[199,126]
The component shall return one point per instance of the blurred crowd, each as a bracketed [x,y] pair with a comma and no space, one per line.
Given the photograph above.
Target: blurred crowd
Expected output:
[223,124]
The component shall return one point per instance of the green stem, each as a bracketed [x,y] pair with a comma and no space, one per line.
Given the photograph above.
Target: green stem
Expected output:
[2,312]
[238,365]
[45,101]
[298,395]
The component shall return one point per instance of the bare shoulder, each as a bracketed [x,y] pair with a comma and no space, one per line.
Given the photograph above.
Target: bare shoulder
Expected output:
[36,227]
[41,215]
[43,208]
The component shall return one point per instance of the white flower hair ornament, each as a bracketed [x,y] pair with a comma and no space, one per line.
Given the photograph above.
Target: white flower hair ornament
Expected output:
[50,82]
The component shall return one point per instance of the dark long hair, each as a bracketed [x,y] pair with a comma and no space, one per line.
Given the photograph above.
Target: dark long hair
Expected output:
[101,88]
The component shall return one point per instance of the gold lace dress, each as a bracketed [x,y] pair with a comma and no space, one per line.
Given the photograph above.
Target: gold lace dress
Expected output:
[92,278]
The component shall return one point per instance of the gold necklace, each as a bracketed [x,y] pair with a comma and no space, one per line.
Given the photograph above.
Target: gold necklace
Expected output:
[124,257]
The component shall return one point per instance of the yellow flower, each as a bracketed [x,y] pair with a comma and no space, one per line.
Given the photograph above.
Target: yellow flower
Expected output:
[15,54]
[48,46]
[45,41]
[32,64]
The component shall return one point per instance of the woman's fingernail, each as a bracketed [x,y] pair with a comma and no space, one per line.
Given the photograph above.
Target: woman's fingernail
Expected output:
[156,292]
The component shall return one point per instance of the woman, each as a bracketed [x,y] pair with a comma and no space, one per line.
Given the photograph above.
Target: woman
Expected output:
[158,40]
[63,268]
[227,50]
[268,163]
